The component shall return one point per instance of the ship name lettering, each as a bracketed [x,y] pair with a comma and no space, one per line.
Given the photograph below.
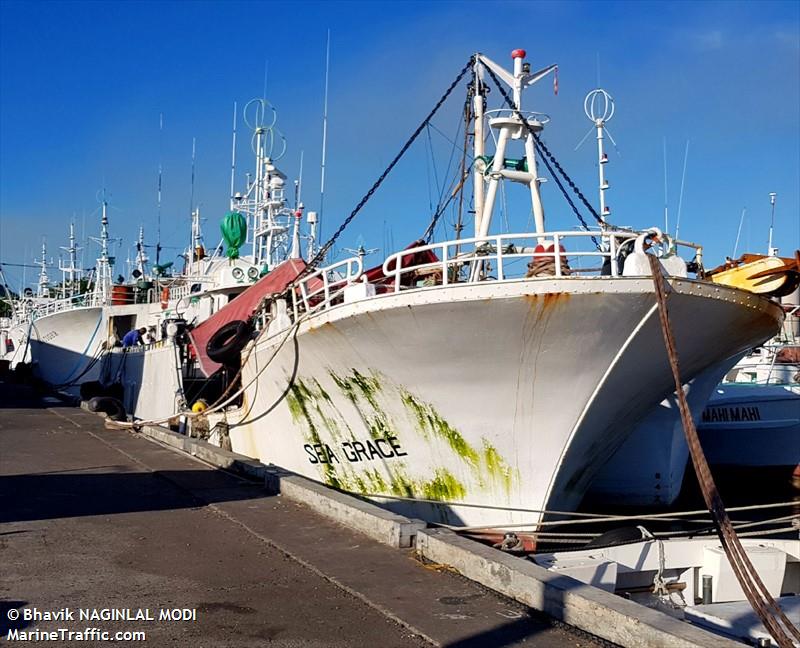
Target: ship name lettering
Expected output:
[320,453]
[729,414]
[356,451]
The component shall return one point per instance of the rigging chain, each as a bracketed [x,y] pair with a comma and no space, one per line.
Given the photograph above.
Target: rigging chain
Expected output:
[546,154]
[320,255]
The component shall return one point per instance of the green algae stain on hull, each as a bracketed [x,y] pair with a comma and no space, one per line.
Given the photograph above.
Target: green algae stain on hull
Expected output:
[372,397]
[443,487]
[497,467]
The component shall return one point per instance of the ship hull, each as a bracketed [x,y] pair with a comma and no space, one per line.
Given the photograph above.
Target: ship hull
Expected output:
[649,468]
[752,426]
[491,402]
[64,347]
[150,377]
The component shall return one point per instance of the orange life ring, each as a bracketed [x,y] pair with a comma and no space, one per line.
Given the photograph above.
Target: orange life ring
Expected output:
[164,298]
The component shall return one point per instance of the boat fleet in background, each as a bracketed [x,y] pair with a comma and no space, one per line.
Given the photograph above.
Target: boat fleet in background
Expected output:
[479,381]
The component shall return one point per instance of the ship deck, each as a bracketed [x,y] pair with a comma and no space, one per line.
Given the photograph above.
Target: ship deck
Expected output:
[93,518]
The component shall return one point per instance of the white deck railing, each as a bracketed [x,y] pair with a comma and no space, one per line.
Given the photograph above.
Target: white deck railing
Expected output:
[502,257]
[323,286]
[58,305]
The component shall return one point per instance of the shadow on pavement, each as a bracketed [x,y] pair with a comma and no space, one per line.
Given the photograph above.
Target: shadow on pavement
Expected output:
[59,495]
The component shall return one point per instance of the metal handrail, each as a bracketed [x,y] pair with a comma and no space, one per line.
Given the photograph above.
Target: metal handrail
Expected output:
[502,249]
[352,267]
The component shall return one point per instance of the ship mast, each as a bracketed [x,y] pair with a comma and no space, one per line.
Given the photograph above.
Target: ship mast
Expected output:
[264,203]
[72,268]
[510,127]
[141,255]
[44,280]
[771,251]
[599,108]
[103,279]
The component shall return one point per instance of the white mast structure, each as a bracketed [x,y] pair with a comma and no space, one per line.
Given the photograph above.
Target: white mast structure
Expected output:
[141,256]
[72,269]
[264,204]
[103,280]
[510,127]
[771,251]
[44,280]
[599,108]
[197,252]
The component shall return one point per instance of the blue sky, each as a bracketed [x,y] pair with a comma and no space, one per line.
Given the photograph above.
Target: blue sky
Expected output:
[82,86]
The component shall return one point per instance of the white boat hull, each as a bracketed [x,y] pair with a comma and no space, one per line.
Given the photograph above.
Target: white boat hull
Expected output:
[489,397]
[150,377]
[64,347]
[752,426]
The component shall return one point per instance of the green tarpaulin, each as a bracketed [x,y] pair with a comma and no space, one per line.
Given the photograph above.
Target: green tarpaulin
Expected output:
[234,231]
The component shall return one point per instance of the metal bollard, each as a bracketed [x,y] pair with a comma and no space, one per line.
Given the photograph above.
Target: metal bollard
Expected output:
[707,580]
[763,642]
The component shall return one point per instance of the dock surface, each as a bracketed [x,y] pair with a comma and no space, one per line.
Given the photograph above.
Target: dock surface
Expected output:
[93,520]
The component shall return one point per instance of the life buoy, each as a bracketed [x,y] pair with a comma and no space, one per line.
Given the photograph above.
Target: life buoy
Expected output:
[164,298]
[225,345]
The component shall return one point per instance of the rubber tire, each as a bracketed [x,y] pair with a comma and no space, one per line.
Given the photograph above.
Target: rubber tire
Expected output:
[226,344]
[622,535]
[108,405]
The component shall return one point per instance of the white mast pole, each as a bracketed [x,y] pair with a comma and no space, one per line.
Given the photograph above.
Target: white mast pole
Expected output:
[478,147]
[324,134]
[191,208]
[233,155]
[599,118]
[680,196]
[160,155]
[298,195]
[43,278]
[666,212]
[73,260]
[739,232]
[771,250]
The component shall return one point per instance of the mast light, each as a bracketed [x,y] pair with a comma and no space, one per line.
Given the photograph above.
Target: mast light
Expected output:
[518,53]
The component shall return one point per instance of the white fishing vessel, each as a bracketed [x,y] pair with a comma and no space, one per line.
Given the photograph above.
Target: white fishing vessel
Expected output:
[458,384]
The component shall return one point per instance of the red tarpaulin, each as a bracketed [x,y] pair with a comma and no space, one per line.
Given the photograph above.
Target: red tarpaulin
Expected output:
[375,275]
[242,308]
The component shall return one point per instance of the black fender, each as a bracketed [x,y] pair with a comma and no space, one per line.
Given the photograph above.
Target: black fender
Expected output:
[108,405]
[226,344]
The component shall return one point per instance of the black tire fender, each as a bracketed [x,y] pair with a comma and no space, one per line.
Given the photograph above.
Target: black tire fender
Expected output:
[107,405]
[225,345]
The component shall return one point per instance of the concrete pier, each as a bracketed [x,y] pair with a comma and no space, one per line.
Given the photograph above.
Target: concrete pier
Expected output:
[112,526]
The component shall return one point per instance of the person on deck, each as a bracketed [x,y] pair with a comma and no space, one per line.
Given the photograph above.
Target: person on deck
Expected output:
[133,337]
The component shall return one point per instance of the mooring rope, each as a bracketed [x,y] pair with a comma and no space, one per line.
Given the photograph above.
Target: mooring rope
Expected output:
[764,605]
